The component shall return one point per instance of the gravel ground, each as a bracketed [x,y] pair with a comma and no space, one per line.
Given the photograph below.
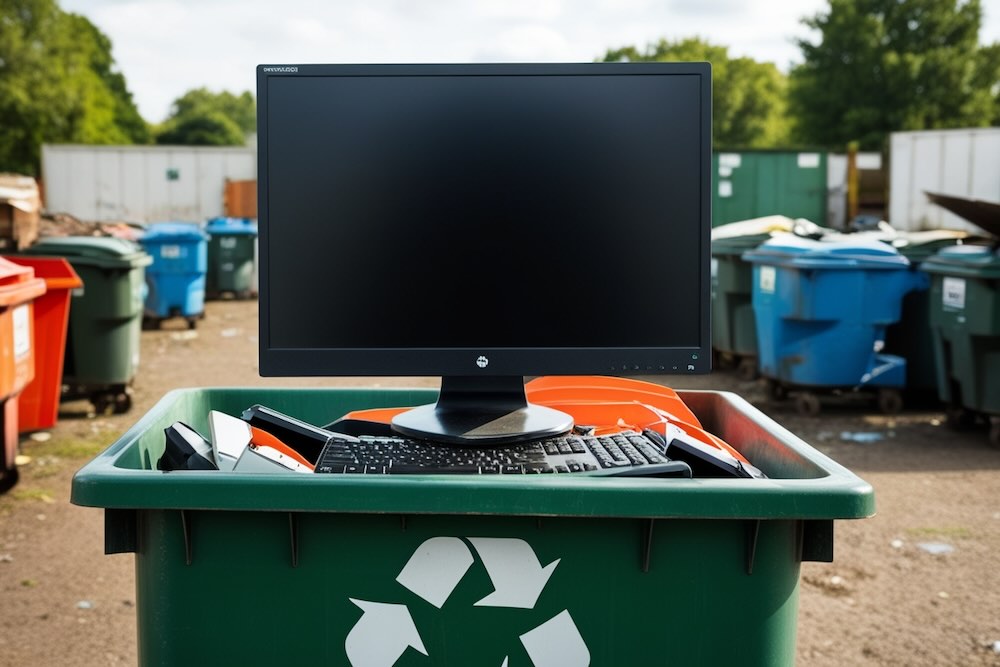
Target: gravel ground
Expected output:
[885,600]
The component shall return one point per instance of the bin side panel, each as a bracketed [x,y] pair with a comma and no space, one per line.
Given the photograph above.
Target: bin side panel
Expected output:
[469,587]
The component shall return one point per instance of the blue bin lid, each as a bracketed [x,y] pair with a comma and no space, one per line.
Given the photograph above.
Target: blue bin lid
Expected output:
[231,226]
[172,232]
[974,261]
[798,252]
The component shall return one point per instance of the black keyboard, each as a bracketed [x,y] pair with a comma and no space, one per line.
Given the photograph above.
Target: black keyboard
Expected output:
[623,454]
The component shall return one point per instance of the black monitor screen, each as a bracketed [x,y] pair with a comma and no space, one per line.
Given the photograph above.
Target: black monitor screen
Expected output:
[549,218]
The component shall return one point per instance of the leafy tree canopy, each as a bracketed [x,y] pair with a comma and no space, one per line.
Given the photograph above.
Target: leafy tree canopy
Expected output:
[203,118]
[881,66]
[748,96]
[58,84]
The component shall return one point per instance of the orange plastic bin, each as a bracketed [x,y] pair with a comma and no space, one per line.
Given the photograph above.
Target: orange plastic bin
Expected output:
[18,289]
[38,405]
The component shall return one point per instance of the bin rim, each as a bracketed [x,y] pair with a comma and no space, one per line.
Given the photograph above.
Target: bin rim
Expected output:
[67,278]
[835,494]
[975,261]
[231,227]
[797,252]
[171,232]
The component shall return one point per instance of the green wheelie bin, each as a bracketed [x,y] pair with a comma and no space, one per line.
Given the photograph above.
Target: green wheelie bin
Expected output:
[102,343]
[232,258]
[911,337]
[543,570]
[965,324]
[734,333]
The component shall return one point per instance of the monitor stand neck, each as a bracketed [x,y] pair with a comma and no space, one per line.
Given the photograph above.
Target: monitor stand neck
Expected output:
[482,410]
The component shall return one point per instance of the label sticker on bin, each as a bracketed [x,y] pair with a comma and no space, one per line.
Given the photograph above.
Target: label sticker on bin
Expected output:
[22,331]
[170,251]
[386,630]
[768,277]
[953,293]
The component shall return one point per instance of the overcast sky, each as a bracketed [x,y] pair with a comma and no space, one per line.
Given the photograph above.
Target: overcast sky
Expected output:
[166,47]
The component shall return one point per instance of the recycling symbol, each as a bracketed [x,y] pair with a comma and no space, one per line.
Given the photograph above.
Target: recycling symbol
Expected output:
[385,631]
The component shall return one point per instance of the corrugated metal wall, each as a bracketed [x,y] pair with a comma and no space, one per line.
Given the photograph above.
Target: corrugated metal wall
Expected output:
[960,163]
[142,183]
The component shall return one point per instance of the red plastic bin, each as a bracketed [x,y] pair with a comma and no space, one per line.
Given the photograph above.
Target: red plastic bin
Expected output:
[18,289]
[38,406]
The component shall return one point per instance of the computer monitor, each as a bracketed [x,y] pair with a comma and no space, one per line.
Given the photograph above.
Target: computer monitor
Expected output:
[483,223]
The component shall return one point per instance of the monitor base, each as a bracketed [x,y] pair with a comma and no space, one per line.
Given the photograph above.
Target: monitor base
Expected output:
[482,411]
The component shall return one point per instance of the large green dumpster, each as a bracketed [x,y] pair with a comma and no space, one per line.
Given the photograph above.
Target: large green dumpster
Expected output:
[232,257]
[567,570]
[965,324]
[755,183]
[102,343]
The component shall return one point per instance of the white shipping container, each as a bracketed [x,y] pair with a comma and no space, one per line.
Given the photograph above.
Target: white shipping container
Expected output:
[961,163]
[142,183]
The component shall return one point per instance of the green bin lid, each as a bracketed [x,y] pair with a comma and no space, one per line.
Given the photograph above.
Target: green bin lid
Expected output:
[971,261]
[103,251]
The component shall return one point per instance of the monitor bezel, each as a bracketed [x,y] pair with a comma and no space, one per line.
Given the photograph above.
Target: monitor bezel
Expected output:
[345,362]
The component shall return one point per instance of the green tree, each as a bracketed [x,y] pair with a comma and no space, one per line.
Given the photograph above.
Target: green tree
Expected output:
[58,83]
[748,96]
[201,117]
[886,65]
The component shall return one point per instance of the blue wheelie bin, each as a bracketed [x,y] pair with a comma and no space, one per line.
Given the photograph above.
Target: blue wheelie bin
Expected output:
[176,279]
[822,309]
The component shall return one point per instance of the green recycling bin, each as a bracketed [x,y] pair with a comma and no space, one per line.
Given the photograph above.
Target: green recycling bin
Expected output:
[734,331]
[547,570]
[911,337]
[232,257]
[965,325]
[102,342]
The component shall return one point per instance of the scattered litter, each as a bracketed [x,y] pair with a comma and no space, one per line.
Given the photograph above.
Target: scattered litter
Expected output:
[836,580]
[996,647]
[184,335]
[29,583]
[6,558]
[84,604]
[22,460]
[935,422]
[40,517]
[863,437]
[936,548]
[231,333]
[824,435]
[41,436]
[943,595]
[896,544]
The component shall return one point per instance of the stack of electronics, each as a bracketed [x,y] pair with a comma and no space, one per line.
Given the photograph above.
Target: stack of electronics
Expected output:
[267,441]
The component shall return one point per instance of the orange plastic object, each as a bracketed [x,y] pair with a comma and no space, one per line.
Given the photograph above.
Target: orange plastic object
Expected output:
[263,438]
[607,404]
[18,288]
[38,405]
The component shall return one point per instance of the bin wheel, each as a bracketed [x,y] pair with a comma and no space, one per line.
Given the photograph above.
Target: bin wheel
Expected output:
[995,431]
[150,323]
[747,369]
[776,390]
[102,403]
[123,402]
[192,323]
[807,404]
[8,478]
[890,401]
[958,418]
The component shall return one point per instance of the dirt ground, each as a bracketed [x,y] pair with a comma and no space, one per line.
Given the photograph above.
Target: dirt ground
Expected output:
[887,599]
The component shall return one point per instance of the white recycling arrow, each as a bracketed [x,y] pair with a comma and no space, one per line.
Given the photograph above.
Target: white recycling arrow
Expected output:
[518,578]
[435,568]
[382,635]
[556,643]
